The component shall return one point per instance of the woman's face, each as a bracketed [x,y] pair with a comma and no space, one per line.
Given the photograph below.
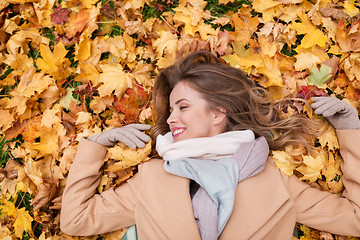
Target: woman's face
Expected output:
[190,116]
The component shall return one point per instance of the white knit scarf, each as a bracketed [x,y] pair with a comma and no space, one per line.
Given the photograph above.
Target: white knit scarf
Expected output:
[211,148]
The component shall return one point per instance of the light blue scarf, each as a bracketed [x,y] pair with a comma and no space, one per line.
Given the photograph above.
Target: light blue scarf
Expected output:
[219,179]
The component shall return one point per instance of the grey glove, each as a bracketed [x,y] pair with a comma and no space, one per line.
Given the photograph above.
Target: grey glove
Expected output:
[130,135]
[340,114]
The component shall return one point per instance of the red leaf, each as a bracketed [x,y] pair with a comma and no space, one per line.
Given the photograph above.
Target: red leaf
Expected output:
[59,16]
[308,92]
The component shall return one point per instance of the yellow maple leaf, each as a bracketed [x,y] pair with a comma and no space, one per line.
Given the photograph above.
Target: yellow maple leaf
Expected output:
[312,169]
[83,48]
[350,7]
[166,44]
[262,5]
[192,15]
[22,222]
[117,47]
[267,48]
[247,61]
[88,72]
[270,68]
[313,36]
[329,138]
[189,15]
[50,61]
[113,78]
[51,117]
[48,145]
[43,12]
[84,119]
[127,157]
[30,84]
[99,104]
[18,62]
[22,217]
[332,167]
[305,60]
[244,27]
[284,162]
[18,41]
[88,3]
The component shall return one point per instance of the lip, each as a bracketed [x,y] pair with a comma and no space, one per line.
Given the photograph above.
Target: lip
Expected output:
[177,131]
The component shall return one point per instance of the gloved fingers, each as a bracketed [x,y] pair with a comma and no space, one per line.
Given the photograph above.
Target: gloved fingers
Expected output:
[329,109]
[126,140]
[319,101]
[131,137]
[138,126]
[136,142]
[328,106]
[142,136]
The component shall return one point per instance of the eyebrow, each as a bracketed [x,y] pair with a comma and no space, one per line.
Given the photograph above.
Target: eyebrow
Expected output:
[178,101]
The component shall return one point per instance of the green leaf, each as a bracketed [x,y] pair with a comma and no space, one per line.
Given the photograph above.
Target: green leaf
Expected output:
[319,77]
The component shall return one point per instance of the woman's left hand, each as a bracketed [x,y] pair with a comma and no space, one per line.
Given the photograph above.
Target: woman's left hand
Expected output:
[340,114]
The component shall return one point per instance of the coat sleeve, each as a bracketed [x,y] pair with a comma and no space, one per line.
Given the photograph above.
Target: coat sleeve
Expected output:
[330,212]
[83,212]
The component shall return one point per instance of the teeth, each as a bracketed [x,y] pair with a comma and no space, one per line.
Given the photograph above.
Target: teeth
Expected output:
[176,132]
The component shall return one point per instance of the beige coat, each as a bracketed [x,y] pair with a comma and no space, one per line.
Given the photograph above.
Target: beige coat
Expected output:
[267,206]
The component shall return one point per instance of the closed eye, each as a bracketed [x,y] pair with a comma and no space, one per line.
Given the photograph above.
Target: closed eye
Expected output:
[183,107]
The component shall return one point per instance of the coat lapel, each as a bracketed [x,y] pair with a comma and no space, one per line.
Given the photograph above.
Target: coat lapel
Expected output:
[259,201]
[169,204]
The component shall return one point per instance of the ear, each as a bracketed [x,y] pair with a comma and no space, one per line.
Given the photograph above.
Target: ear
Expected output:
[219,116]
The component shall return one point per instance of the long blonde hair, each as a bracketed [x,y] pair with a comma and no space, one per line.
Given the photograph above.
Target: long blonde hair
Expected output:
[247,105]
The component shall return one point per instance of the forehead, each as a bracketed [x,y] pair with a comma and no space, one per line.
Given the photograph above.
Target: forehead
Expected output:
[183,90]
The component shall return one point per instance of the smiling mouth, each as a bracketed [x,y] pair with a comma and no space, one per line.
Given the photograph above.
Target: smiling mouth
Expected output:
[178,132]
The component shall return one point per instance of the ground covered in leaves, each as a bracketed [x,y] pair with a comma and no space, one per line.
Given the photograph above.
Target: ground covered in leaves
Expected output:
[69,69]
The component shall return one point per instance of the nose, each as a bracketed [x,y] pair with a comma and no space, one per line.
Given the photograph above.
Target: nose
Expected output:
[172,118]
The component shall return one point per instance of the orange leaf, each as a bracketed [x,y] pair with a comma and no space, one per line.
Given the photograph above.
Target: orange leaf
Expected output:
[352,93]
[77,22]
[132,102]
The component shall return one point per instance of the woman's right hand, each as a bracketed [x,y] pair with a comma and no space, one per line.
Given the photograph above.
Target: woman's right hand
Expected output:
[131,135]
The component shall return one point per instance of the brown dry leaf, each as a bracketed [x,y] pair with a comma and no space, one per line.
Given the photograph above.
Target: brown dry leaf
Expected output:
[222,45]
[67,159]
[46,192]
